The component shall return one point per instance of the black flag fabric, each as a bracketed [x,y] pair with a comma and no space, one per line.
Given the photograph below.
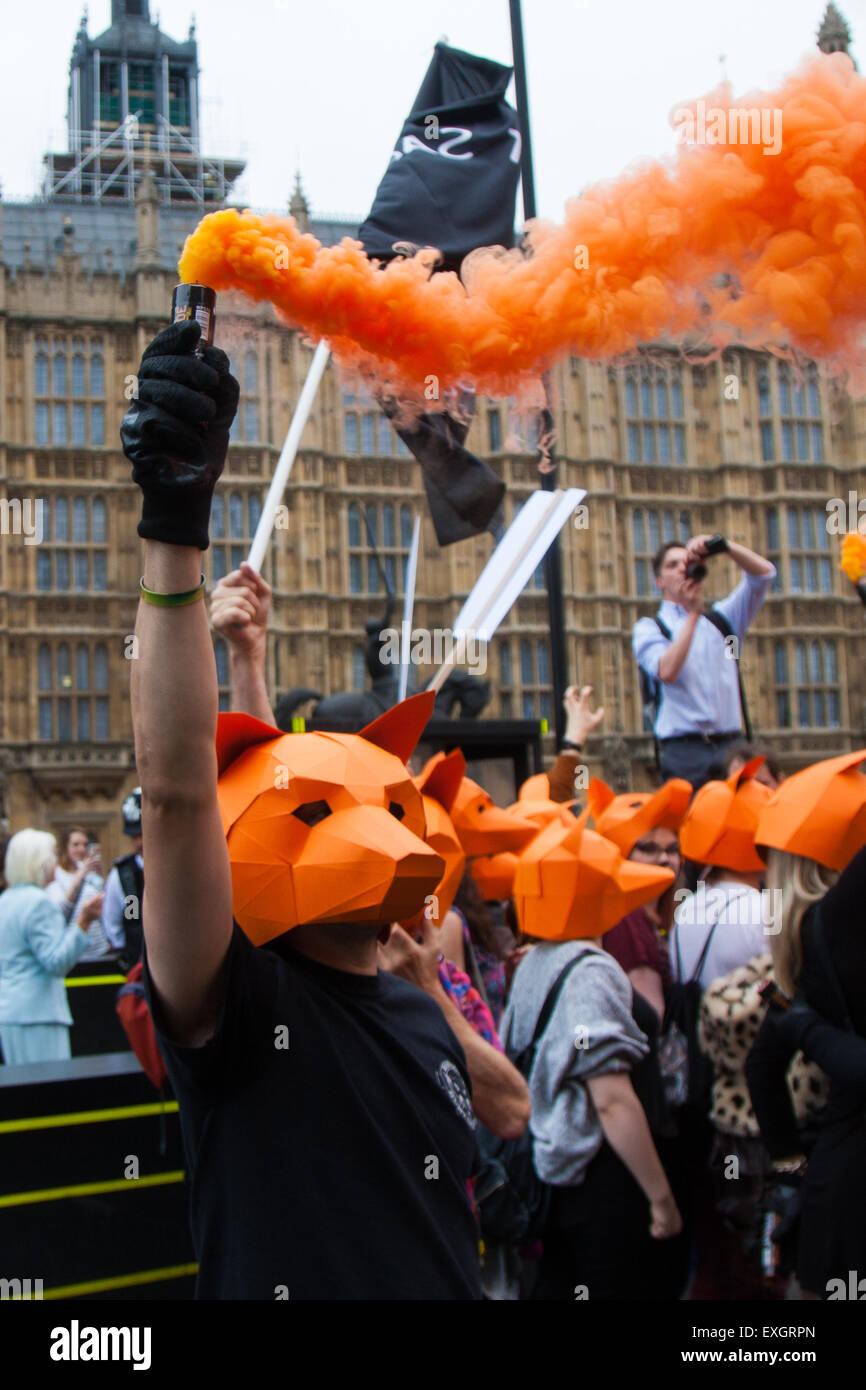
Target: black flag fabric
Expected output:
[452,184]
[452,179]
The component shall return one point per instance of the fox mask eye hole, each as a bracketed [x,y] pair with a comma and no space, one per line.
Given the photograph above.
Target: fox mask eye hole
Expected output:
[396,809]
[311,812]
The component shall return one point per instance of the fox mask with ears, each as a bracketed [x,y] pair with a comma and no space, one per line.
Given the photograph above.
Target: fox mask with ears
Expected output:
[324,827]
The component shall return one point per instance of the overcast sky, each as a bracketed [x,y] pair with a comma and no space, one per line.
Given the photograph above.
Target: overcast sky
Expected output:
[324,86]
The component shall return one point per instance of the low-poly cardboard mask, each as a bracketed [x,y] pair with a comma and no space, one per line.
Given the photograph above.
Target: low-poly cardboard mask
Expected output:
[535,788]
[819,813]
[494,875]
[484,828]
[324,827]
[625,819]
[541,810]
[438,784]
[572,883]
[719,826]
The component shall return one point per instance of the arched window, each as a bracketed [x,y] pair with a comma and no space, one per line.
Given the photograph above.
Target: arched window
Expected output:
[217,517]
[79,382]
[236,516]
[63,677]
[251,372]
[82,667]
[97,516]
[354,524]
[638,532]
[254,511]
[527,665]
[97,369]
[543,664]
[505,664]
[44,663]
[79,521]
[388,538]
[41,370]
[630,396]
[405,527]
[100,667]
[59,375]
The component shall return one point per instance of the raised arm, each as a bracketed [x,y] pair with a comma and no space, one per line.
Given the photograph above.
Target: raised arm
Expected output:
[239,612]
[176,435]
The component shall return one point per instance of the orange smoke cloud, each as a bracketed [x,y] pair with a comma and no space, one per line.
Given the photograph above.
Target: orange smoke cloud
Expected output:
[637,259]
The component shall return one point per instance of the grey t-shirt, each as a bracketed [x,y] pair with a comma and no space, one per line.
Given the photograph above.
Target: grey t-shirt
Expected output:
[590,1033]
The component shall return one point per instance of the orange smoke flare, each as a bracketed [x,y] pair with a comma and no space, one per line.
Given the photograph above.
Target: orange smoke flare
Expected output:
[853,562]
[635,260]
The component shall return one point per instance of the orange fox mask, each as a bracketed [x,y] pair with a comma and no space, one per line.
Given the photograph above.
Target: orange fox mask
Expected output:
[438,784]
[324,827]
[819,813]
[494,875]
[484,828]
[625,819]
[571,883]
[719,826]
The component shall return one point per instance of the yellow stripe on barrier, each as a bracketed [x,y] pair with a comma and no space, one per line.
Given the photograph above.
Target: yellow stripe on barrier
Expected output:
[88,1117]
[121,1281]
[95,980]
[89,1189]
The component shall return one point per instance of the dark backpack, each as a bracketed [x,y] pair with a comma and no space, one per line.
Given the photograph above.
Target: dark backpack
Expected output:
[651,687]
[679,1039]
[512,1200]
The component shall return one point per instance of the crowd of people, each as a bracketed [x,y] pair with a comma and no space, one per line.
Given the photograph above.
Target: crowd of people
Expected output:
[586,1045]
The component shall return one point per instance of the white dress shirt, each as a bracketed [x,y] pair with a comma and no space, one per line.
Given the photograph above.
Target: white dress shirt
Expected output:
[705,697]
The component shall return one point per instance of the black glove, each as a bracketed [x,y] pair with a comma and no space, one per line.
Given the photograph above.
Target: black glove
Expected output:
[792,1024]
[176,434]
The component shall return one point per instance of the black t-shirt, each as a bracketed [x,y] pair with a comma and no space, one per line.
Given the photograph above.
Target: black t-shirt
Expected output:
[330,1136]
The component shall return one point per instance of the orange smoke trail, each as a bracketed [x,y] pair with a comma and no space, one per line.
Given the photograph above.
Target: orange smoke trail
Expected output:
[789,228]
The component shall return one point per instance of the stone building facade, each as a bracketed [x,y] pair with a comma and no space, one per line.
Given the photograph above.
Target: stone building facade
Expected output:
[747,445]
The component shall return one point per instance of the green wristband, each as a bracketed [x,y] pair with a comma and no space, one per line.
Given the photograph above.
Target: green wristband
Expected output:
[171,600]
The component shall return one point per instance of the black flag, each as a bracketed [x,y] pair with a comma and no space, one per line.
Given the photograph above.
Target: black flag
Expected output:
[452,184]
[452,179]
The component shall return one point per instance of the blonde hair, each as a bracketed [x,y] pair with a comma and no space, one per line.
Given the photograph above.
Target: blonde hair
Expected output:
[801,883]
[31,856]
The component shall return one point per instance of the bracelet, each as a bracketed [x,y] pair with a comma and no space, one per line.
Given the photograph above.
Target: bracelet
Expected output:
[575,747]
[171,600]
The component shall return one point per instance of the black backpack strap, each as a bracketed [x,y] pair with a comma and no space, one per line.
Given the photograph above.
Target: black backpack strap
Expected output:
[720,622]
[527,1056]
[665,631]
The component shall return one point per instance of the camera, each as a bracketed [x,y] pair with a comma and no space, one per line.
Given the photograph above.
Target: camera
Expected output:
[696,569]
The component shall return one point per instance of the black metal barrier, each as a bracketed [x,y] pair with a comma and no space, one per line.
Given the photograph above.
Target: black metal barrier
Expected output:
[93,1198]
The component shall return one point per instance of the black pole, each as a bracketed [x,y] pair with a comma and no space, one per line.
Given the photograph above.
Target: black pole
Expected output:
[552,560]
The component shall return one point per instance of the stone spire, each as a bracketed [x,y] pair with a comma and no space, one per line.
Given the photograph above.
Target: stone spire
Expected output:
[299,207]
[834,36]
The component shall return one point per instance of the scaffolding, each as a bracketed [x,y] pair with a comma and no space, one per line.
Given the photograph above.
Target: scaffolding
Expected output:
[106,166]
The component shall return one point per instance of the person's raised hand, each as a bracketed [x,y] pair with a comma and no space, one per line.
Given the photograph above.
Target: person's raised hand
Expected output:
[696,548]
[176,433]
[411,959]
[581,721]
[91,911]
[239,608]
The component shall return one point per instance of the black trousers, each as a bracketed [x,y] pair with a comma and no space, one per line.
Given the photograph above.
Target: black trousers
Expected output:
[597,1244]
[692,758]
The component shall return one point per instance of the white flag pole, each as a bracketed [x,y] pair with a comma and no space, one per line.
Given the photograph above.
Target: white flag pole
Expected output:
[408,608]
[259,547]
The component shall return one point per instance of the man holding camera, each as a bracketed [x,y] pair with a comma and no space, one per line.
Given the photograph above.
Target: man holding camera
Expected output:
[693,653]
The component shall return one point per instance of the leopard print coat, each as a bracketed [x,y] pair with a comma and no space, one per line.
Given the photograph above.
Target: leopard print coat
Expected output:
[731,1014]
